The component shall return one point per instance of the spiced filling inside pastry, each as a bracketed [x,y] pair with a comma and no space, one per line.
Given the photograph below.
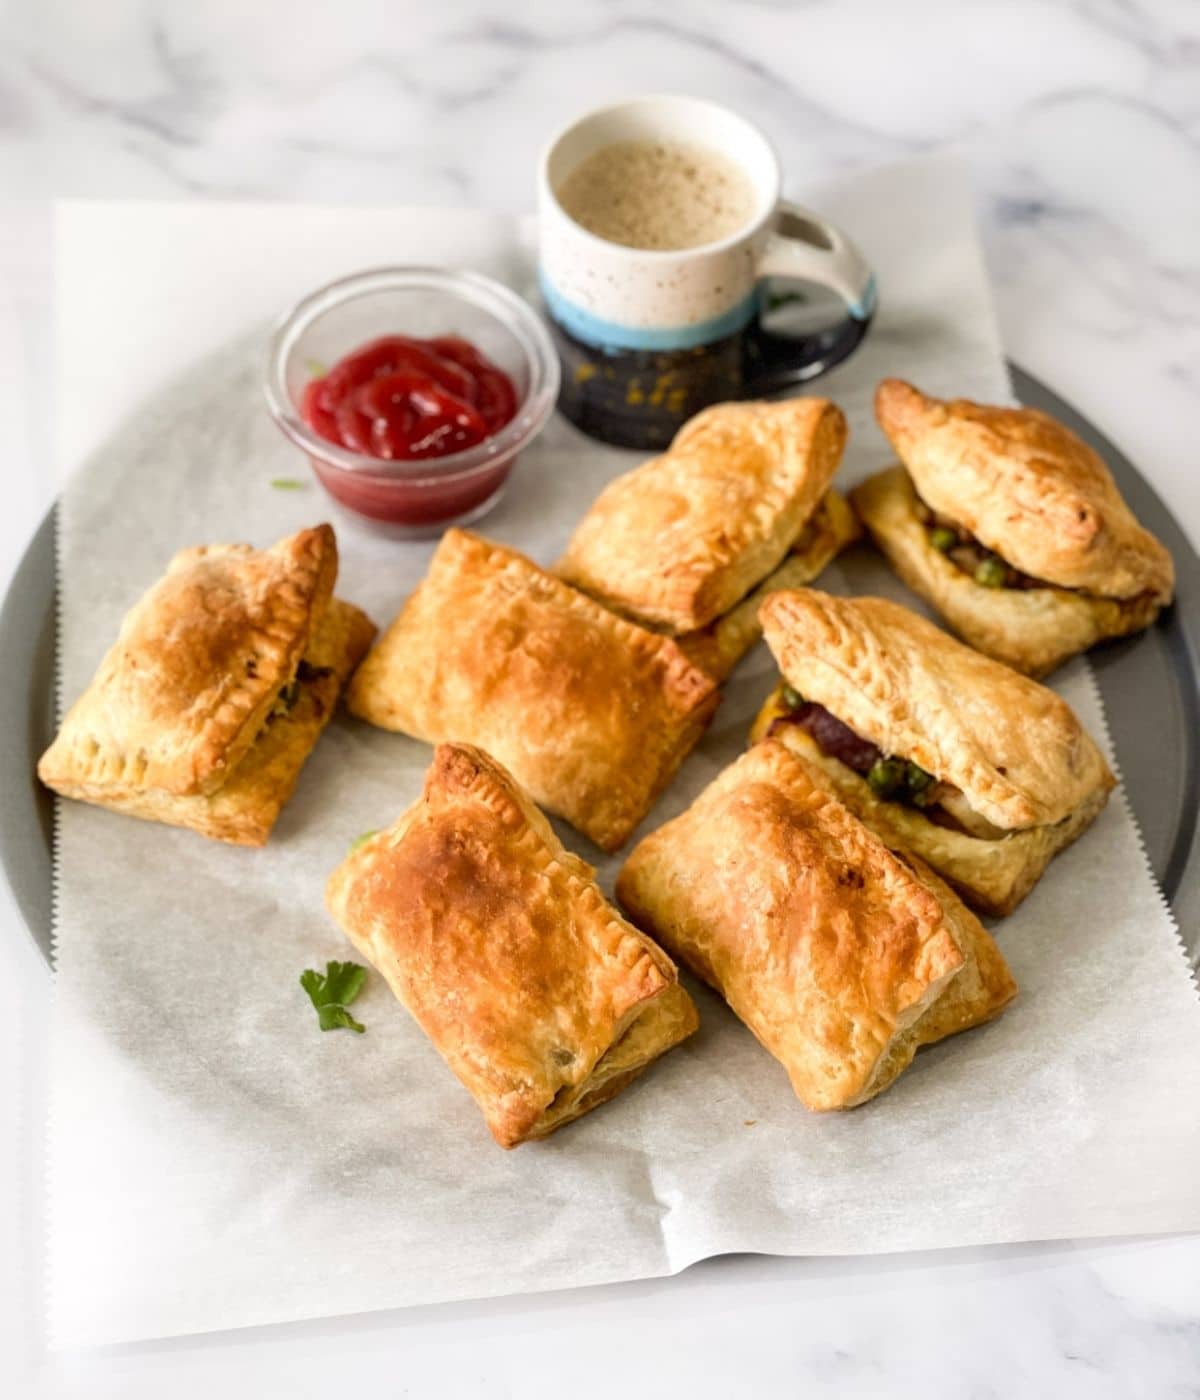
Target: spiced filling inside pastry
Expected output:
[990,569]
[1001,610]
[1012,527]
[891,777]
[977,770]
[222,679]
[959,545]
[307,674]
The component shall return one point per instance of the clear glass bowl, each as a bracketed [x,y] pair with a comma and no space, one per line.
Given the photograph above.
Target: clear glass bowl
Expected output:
[413,499]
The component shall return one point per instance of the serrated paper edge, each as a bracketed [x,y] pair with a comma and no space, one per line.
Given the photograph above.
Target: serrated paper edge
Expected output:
[52,1090]
[1106,742]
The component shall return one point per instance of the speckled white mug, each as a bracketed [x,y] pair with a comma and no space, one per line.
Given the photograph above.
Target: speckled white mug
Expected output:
[649,337]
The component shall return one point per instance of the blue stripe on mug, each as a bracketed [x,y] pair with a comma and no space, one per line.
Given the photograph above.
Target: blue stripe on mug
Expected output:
[611,335]
[864,308]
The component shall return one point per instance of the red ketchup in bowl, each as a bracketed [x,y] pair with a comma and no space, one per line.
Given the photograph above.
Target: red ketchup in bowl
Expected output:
[402,400]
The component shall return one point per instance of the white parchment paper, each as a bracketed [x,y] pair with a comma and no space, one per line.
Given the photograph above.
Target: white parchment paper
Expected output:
[215,1161]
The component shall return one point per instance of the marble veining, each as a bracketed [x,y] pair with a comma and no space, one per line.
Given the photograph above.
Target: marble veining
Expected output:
[1081,119]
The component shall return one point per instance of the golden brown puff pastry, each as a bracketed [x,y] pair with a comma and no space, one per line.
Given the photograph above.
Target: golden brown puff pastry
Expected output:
[245,807]
[1027,488]
[681,539]
[838,956]
[992,873]
[984,986]
[718,647]
[540,997]
[208,651]
[1014,749]
[1032,629]
[197,665]
[591,713]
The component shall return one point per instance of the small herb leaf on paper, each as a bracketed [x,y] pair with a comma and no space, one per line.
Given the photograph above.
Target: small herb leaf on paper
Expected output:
[287,483]
[332,992]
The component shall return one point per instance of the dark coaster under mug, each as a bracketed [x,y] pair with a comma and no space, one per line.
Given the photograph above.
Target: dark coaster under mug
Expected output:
[641,398]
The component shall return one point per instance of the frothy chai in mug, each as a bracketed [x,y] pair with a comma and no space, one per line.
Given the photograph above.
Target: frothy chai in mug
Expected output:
[658,194]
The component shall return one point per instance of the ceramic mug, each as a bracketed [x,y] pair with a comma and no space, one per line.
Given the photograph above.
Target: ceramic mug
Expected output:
[647,338]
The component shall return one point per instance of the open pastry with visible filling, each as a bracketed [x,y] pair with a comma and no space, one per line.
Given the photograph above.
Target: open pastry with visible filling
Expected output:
[541,998]
[841,957]
[1012,527]
[689,543]
[590,713]
[980,771]
[222,678]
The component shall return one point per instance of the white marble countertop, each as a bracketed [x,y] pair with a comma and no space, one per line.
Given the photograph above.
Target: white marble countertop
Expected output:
[1082,124]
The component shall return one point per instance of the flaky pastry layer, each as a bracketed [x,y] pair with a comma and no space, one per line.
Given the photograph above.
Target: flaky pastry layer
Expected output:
[184,691]
[1027,488]
[831,949]
[244,809]
[680,540]
[979,992]
[589,712]
[1032,629]
[719,647]
[1014,748]
[541,998]
[993,876]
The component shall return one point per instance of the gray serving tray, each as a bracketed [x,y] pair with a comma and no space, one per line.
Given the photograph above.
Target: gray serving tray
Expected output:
[1150,685]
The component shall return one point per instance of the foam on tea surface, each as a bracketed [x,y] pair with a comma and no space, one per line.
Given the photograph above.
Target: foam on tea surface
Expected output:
[658,194]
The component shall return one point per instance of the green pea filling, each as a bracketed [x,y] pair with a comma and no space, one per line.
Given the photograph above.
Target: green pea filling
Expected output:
[892,779]
[899,780]
[886,776]
[987,568]
[991,572]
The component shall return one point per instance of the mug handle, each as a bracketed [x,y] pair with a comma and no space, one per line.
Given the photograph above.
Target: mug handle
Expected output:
[808,248]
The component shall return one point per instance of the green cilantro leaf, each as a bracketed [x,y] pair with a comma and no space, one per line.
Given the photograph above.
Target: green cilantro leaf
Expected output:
[332,992]
[363,839]
[332,1018]
[287,483]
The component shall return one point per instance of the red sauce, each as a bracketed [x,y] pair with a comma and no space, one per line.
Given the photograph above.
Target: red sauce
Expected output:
[403,399]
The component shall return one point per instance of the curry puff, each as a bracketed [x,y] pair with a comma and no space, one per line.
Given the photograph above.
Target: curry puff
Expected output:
[691,542]
[981,772]
[1012,527]
[841,957]
[590,713]
[537,993]
[216,690]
